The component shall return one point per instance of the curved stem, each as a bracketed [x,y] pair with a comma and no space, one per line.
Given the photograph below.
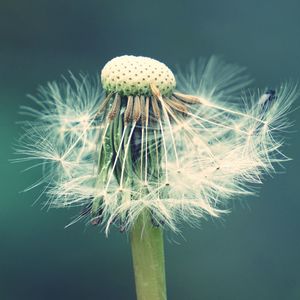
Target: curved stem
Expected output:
[147,248]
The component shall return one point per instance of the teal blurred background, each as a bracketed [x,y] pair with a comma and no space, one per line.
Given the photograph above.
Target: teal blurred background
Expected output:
[253,253]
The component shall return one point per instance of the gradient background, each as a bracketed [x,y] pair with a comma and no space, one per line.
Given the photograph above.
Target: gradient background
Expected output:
[252,254]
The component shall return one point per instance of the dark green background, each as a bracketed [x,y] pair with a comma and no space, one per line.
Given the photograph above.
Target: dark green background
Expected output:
[251,254]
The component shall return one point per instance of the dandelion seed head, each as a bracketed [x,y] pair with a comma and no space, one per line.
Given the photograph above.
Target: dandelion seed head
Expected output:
[134,145]
[132,75]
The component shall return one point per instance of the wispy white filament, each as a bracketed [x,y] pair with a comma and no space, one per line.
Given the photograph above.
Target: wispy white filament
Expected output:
[217,151]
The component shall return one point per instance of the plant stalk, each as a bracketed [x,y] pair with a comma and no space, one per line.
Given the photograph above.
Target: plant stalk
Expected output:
[147,247]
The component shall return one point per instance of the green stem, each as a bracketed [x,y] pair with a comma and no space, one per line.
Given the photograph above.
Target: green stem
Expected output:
[147,248]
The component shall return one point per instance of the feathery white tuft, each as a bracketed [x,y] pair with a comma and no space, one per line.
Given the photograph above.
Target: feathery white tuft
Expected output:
[216,152]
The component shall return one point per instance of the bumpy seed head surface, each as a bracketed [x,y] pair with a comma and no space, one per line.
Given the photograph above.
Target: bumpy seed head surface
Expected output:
[132,75]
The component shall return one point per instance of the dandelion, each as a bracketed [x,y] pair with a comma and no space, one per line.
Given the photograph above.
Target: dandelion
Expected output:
[146,151]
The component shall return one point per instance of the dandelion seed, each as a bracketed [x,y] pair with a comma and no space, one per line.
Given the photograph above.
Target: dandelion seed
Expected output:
[178,149]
